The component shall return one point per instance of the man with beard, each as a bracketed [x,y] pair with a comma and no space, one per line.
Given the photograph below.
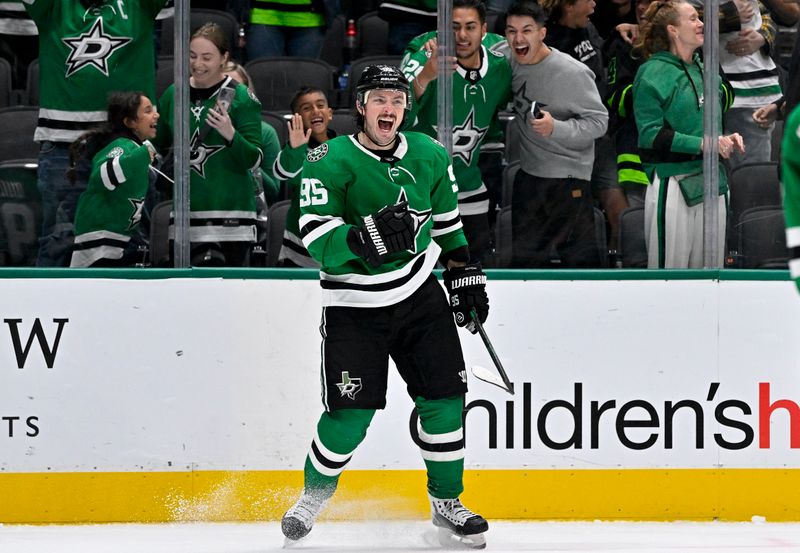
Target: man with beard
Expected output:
[378,210]
[481,87]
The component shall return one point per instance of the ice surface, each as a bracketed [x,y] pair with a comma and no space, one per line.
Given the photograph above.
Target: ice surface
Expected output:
[404,536]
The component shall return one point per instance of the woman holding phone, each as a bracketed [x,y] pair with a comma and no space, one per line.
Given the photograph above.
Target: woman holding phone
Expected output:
[225,140]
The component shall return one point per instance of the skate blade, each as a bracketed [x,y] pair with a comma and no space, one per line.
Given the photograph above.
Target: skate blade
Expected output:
[451,540]
[289,543]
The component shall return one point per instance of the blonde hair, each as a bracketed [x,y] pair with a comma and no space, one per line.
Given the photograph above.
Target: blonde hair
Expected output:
[234,67]
[214,34]
[653,36]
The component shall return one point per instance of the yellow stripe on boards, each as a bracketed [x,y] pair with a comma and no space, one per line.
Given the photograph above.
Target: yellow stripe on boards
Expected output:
[625,494]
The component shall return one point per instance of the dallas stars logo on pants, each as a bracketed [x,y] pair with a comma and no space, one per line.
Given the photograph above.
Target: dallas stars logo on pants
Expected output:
[349,386]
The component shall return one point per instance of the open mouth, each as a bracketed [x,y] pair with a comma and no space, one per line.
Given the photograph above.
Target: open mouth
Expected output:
[522,51]
[385,124]
[317,121]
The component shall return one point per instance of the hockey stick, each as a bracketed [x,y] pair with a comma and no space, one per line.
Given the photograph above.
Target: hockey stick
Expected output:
[484,374]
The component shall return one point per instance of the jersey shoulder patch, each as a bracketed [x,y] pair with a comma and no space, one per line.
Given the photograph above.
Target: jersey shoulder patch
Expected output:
[115,152]
[317,153]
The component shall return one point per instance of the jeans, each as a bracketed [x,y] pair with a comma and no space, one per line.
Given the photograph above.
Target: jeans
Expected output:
[59,202]
[268,41]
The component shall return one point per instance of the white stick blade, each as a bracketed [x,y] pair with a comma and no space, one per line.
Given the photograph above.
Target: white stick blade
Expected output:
[482,373]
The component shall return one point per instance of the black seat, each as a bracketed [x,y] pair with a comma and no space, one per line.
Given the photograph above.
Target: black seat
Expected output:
[631,241]
[373,35]
[17,125]
[761,238]
[277,79]
[358,67]
[276,224]
[165,74]
[502,238]
[199,17]
[6,75]
[751,185]
[159,234]
[20,213]
[343,122]
[278,122]
[32,89]
[600,237]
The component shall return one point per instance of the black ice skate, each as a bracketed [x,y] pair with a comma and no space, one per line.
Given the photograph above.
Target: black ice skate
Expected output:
[299,519]
[458,526]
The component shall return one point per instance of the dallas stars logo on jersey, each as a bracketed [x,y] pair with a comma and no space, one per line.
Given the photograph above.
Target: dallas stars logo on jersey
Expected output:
[201,153]
[92,49]
[349,386]
[467,137]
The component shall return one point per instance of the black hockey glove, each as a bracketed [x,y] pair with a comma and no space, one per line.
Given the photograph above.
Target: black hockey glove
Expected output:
[390,230]
[466,287]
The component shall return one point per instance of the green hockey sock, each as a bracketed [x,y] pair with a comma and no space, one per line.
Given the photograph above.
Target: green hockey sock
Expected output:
[338,435]
[442,444]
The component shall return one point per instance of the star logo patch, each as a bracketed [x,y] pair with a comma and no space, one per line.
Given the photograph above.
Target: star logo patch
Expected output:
[420,218]
[136,216]
[467,137]
[349,386]
[201,153]
[92,49]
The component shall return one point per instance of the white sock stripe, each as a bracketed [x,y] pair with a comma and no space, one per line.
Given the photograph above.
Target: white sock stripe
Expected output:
[330,455]
[454,436]
[322,469]
[793,237]
[442,456]
[794,267]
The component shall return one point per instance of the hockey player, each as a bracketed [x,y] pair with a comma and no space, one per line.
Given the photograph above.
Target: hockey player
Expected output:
[377,210]
[308,128]
[790,177]
[481,87]
[110,208]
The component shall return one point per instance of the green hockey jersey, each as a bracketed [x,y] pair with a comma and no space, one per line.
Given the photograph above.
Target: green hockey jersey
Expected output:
[477,97]
[111,206]
[84,54]
[790,177]
[342,182]
[222,203]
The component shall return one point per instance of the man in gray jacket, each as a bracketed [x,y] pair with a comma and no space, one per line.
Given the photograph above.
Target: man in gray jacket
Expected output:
[559,114]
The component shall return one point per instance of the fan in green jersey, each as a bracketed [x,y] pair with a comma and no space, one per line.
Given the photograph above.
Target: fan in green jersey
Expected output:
[110,208]
[308,128]
[225,146]
[378,209]
[481,87]
[790,177]
[87,49]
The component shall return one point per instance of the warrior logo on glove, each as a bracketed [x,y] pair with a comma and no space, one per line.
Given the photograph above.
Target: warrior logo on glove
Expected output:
[466,287]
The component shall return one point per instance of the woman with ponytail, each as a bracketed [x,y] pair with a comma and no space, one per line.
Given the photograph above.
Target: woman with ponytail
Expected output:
[668,107]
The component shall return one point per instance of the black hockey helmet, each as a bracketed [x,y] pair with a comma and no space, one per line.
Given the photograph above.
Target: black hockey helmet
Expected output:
[382,76]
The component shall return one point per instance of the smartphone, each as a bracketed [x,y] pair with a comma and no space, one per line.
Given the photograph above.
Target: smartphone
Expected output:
[536,112]
[225,97]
